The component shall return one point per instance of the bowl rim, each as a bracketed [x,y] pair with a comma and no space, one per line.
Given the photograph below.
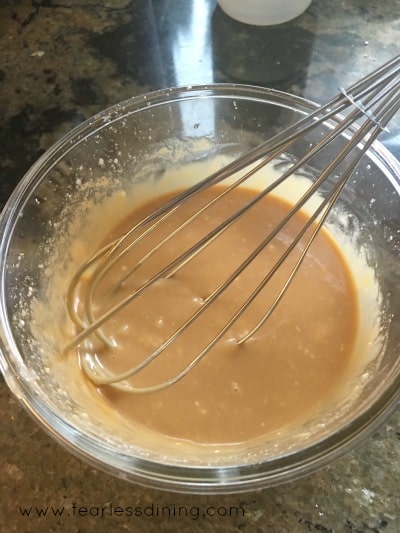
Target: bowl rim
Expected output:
[179,478]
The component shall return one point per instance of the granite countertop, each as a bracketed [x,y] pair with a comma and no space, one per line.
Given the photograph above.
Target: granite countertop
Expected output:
[61,62]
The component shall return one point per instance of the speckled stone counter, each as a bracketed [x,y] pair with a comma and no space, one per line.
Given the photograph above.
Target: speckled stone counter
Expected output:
[61,62]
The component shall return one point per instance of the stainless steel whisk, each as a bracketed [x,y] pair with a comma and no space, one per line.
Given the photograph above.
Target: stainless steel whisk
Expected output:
[369,103]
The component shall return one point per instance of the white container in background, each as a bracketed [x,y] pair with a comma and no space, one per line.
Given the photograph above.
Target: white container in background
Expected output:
[264,12]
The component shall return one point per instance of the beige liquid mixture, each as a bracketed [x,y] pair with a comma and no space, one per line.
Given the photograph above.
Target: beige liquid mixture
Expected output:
[288,370]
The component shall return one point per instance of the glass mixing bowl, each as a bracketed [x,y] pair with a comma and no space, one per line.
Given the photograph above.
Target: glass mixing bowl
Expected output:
[114,153]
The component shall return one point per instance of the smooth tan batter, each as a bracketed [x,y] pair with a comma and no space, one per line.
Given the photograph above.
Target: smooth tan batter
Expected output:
[288,370]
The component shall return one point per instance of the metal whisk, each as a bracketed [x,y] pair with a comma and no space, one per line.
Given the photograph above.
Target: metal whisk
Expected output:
[370,103]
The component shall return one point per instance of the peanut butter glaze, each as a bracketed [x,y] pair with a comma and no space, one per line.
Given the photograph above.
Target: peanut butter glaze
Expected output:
[288,370]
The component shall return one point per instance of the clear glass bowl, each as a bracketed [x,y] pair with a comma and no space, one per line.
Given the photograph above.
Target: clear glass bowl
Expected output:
[119,149]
